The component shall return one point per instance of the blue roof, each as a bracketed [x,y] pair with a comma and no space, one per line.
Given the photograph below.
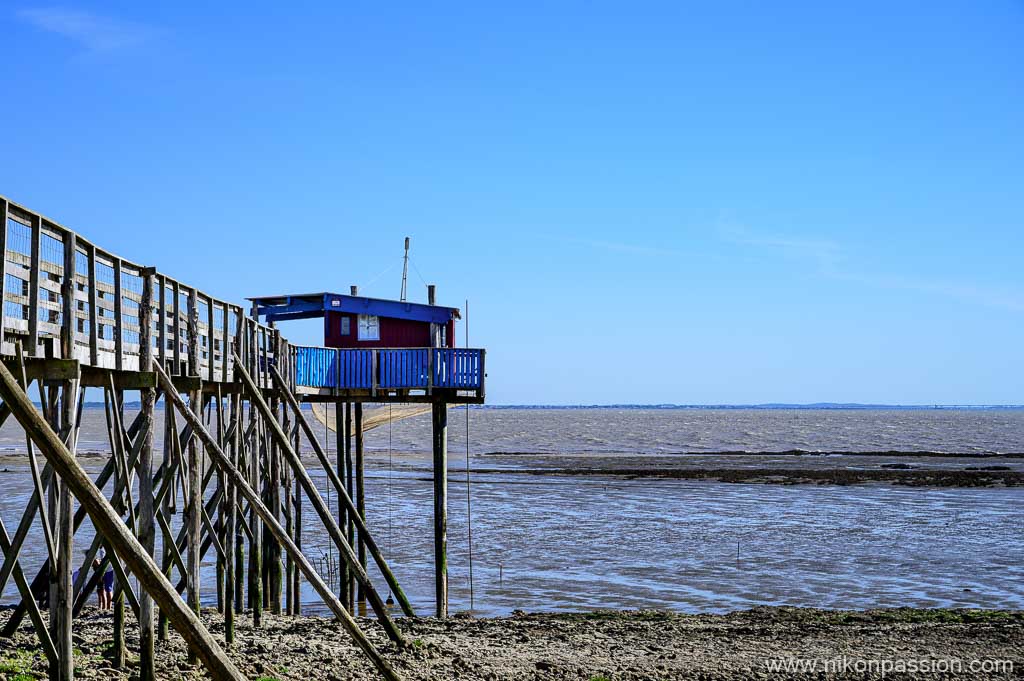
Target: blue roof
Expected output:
[312,305]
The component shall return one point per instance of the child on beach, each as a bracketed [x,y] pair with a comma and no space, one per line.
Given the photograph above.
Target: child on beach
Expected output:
[105,588]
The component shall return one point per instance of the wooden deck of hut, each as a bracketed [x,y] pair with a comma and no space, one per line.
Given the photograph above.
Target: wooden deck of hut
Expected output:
[78,316]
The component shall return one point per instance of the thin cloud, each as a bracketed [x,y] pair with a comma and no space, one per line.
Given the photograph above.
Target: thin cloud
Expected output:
[828,256]
[988,296]
[92,32]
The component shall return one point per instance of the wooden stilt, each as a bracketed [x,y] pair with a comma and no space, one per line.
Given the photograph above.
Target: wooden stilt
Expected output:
[221,509]
[256,541]
[170,467]
[231,506]
[339,441]
[440,436]
[194,502]
[360,490]
[274,494]
[146,527]
[61,608]
[239,557]
[350,488]
[287,508]
[297,577]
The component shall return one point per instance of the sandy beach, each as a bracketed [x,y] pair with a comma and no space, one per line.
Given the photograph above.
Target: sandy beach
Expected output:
[592,646]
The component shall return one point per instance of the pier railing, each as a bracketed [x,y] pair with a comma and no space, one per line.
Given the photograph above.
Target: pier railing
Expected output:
[389,369]
[66,297]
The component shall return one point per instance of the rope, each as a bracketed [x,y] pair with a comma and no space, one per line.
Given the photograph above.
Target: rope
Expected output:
[390,600]
[469,497]
[390,507]
[417,270]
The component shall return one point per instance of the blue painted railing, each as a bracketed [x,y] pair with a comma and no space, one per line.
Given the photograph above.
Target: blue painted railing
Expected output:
[406,368]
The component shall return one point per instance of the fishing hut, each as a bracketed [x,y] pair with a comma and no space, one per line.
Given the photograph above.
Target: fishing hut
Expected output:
[382,351]
[224,475]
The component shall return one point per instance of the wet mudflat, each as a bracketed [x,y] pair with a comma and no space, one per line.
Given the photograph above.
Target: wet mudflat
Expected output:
[591,646]
[589,525]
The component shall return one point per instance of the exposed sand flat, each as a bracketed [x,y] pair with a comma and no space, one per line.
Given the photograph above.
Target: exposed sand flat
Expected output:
[595,645]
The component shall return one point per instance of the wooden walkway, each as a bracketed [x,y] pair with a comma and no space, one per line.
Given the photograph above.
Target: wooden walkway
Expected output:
[76,316]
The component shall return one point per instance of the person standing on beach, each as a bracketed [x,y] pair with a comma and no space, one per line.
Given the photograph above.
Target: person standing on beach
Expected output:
[105,589]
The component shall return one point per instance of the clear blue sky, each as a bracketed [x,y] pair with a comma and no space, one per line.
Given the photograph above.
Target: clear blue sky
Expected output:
[643,202]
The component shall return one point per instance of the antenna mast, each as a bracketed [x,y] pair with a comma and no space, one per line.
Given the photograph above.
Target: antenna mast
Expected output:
[405,269]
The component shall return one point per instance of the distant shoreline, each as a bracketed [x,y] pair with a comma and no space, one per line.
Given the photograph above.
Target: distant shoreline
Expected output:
[815,406]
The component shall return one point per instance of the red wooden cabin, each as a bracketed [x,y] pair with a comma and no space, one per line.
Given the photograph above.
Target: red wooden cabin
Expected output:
[353,321]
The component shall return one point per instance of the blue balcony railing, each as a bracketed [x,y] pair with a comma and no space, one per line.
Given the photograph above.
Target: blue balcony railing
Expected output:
[389,369]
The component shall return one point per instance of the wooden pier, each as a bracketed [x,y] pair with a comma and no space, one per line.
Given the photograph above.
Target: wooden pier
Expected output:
[77,316]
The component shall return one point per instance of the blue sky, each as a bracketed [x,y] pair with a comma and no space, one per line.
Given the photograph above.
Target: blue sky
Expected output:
[643,202]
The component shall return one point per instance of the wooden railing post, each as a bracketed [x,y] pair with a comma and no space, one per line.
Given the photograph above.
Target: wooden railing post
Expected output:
[162,317]
[118,328]
[176,291]
[67,295]
[210,336]
[33,288]
[94,328]
[3,270]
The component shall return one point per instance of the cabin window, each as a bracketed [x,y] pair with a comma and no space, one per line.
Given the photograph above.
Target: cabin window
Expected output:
[346,324]
[369,327]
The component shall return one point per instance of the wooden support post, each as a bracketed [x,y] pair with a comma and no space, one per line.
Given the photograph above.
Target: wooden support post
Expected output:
[256,541]
[60,610]
[146,520]
[170,465]
[360,490]
[440,433]
[274,495]
[297,577]
[239,556]
[231,505]
[350,488]
[61,606]
[339,441]
[220,459]
[221,507]
[194,508]
[289,521]
[268,541]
